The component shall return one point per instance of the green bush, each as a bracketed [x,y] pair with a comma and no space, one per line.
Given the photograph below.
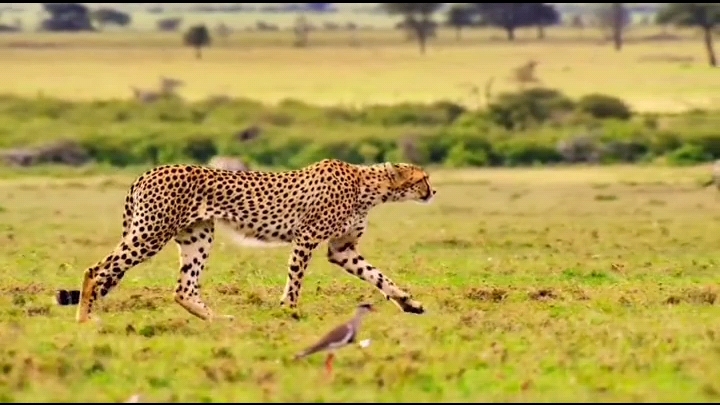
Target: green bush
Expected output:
[529,107]
[688,154]
[459,155]
[517,129]
[602,106]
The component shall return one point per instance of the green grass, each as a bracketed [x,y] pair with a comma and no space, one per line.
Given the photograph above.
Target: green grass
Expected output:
[568,284]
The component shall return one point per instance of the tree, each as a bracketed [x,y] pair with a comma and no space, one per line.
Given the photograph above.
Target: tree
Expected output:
[66,17]
[703,15]
[509,16]
[103,16]
[418,16]
[459,16]
[618,24]
[302,31]
[614,18]
[223,31]
[545,15]
[168,24]
[197,36]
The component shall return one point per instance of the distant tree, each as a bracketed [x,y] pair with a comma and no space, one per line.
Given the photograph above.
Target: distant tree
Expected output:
[168,24]
[545,15]
[459,16]
[197,36]
[302,31]
[619,16]
[223,32]
[418,17]
[576,21]
[703,15]
[104,16]
[509,16]
[66,17]
[614,18]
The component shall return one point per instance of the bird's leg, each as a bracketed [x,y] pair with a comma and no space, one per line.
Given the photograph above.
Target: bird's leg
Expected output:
[329,363]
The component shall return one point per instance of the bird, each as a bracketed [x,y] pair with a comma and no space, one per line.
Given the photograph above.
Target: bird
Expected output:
[341,336]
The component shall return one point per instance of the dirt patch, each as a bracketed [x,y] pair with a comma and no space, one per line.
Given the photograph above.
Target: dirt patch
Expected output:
[31,289]
[579,294]
[38,311]
[698,296]
[449,243]
[222,353]
[484,294]
[136,302]
[228,290]
[543,294]
[253,298]
[169,327]
[705,295]
[672,300]
[471,318]
[335,289]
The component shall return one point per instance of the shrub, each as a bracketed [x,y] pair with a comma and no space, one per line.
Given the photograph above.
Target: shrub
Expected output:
[687,155]
[523,109]
[518,129]
[459,155]
[602,106]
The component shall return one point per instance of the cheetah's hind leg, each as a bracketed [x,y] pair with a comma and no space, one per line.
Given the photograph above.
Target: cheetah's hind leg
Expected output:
[194,245]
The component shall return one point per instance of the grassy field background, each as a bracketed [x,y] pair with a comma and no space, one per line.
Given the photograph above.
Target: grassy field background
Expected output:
[664,76]
[584,284]
[545,284]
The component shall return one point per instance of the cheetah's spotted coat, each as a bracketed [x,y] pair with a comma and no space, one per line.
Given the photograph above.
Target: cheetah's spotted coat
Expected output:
[327,201]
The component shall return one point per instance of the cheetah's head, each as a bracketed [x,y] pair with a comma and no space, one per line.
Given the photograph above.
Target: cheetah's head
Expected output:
[409,183]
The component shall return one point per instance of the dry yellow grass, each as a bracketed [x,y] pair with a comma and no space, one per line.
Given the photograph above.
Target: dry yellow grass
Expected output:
[651,75]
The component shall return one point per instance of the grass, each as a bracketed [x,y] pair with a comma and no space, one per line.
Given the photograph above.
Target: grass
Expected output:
[566,284]
[651,75]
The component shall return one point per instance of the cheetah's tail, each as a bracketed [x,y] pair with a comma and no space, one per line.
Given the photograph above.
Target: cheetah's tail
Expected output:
[67,297]
[128,210]
[72,297]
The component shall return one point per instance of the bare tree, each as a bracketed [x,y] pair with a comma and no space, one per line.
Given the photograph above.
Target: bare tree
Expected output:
[302,31]
[703,15]
[618,24]
[613,19]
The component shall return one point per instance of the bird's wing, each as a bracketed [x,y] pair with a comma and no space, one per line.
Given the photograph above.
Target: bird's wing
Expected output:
[338,336]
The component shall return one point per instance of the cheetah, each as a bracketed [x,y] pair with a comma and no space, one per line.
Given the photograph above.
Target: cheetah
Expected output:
[328,201]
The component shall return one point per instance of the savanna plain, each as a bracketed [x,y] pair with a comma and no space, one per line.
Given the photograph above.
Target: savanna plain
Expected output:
[572,283]
[586,284]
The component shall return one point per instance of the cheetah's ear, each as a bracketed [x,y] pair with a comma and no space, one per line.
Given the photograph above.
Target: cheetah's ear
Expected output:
[393,173]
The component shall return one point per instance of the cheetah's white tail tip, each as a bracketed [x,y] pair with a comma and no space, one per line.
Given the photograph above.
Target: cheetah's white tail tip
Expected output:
[133,399]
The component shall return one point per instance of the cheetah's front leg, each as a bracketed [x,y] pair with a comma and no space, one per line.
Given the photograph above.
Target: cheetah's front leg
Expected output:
[297,264]
[343,252]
